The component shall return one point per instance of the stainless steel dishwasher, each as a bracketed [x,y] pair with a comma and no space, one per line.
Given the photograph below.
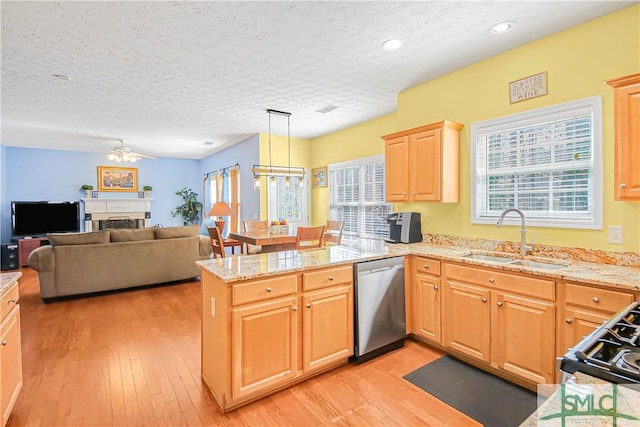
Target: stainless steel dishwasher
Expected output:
[380,324]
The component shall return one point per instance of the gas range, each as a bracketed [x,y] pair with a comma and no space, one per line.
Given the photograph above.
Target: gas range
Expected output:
[611,352]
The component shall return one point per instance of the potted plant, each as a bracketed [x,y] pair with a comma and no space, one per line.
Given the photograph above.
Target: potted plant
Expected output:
[87,189]
[190,208]
[147,190]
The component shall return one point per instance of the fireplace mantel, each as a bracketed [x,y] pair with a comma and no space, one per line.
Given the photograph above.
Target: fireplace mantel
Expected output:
[96,209]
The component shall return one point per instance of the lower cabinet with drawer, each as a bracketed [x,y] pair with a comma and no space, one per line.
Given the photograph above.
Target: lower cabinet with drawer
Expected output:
[10,352]
[426,322]
[585,308]
[502,319]
[262,335]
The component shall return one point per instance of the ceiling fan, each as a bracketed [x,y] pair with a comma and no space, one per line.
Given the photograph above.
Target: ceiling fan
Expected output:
[124,154]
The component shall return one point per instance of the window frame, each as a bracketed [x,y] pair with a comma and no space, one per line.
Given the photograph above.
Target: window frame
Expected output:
[530,118]
[346,235]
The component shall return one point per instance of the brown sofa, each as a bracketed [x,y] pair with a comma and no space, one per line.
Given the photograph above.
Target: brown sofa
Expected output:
[83,263]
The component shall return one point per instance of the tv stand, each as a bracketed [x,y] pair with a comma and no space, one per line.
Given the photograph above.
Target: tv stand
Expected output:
[26,245]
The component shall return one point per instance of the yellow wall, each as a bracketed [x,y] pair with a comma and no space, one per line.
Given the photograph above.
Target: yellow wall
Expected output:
[300,158]
[578,61]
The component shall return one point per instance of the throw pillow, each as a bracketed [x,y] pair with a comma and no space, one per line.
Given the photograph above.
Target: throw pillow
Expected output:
[129,235]
[173,232]
[90,238]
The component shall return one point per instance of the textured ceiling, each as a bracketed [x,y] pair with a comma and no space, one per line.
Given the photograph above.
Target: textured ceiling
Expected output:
[167,77]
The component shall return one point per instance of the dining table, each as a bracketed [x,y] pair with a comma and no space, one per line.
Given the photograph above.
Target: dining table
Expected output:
[270,242]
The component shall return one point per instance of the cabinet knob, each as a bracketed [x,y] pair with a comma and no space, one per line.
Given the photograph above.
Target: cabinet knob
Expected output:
[331,278]
[491,280]
[484,300]
[413,192]
[13,300]
[426,266]
[269,289]
[294,308]
[623,185]
[308,305]
[568,321]
[499,303]
[4,342]
[435,288]
[596,299]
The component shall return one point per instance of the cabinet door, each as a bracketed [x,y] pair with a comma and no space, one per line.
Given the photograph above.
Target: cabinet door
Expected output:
[578,323]
[397,170]
[524,342]
[427,310]
[627,135]
[466,320]
[426,159]
[10,362]
[327,326]
[264,345]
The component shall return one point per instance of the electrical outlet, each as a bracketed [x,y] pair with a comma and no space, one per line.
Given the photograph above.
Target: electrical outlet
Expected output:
[615,234]
[255,215]
[213,307]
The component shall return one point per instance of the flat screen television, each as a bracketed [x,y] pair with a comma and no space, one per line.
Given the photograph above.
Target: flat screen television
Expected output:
[33,219]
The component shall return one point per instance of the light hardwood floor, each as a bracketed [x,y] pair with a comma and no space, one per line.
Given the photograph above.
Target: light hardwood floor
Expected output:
[133,358]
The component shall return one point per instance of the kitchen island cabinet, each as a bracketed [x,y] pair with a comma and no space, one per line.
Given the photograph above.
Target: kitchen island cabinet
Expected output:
[261,335]
[422,164]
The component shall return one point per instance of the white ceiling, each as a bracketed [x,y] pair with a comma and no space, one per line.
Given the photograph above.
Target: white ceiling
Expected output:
[167,77]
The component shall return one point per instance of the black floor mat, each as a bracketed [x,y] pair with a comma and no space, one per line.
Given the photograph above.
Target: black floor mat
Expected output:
[480,395]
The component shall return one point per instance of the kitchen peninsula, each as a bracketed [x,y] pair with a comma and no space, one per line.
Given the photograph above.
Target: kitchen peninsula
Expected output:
[272,320]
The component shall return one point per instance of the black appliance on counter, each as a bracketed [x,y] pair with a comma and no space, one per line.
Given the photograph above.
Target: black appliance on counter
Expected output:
[404,227]
[611,352]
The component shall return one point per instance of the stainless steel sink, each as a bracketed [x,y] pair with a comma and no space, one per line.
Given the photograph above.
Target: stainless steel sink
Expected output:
[537,264]
[485,257]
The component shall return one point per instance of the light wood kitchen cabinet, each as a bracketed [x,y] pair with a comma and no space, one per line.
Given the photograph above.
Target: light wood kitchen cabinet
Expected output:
[262,335]
[626,92]
[422,164]
[427,301]
[495,317]
[519,322]
[585,308]
[10,352]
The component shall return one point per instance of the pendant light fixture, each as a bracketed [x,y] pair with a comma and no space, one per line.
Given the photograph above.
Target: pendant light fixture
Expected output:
[274,172]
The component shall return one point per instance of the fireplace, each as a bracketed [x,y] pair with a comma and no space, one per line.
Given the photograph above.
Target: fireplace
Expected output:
[102,214]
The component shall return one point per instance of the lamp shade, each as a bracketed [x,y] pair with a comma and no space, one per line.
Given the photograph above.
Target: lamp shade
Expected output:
[220,209]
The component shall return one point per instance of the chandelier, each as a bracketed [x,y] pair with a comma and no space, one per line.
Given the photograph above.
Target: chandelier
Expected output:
[124,154]
[273,172]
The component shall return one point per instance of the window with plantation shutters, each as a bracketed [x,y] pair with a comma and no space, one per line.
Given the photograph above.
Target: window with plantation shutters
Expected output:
[545,162]
[356,197]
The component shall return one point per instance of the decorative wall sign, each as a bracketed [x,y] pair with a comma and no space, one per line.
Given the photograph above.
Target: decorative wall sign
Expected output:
[319,177]
[527,88]
[117,179]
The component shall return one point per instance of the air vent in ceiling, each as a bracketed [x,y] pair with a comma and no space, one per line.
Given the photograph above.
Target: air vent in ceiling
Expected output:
[208,143]
[327,109]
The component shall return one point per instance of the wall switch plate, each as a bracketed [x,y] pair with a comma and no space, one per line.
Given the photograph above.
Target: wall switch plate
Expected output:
[615,234]
[255,215]
[213,307]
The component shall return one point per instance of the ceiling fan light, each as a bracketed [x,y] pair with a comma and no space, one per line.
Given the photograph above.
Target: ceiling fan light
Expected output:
[112,156]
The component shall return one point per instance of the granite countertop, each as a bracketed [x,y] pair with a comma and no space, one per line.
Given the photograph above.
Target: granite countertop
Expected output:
[584,385]
[233,269]
[8,279]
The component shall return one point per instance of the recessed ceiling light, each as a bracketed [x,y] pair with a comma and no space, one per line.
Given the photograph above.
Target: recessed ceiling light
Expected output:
[502,27]
[62,77]
[392,44]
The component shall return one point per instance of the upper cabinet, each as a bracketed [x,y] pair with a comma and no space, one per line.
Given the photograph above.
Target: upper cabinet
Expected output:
[626,92]
[423,164]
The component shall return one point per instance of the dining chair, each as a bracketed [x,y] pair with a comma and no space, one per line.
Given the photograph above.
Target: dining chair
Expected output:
[255,226]
[333,232]
[309,237]
[217,244]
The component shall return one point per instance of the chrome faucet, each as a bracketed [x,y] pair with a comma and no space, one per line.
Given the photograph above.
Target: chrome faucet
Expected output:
[523,232]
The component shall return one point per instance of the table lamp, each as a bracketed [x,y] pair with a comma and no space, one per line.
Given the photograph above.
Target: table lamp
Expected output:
[220,209]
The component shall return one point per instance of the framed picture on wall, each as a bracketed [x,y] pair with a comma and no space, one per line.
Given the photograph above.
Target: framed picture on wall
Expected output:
[319,177]
[117,179]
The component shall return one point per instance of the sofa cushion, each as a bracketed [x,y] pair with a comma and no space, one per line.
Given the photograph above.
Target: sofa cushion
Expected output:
[91,238]
[129,235]
[173,232]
